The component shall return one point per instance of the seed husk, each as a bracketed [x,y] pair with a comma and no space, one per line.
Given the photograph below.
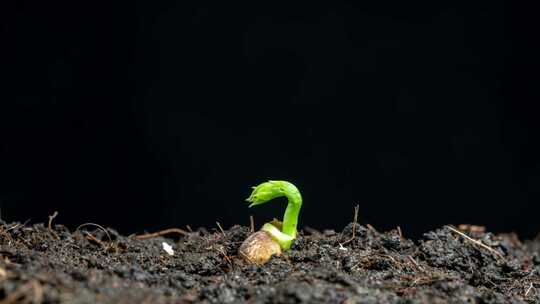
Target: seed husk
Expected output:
[259,247]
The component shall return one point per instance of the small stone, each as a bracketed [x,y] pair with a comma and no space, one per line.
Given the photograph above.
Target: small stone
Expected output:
[168,248]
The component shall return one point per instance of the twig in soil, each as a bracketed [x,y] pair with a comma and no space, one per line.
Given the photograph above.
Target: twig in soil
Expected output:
[92,224]
[491,282]
[17,225]
[529,289]
[392,259]
[25,241]
[472,228]
[92,238]
[251,224]
[432,279]
[477,242]
[19,238]
[13,227]
[188,227]
[416,265]
[49,226]
[372,228]
[362,260]
[400,233]
[161,233]
[221,228]
[6,234]
[355,220]
[220,250]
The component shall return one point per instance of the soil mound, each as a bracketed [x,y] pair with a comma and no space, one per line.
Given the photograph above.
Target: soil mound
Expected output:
[40,264]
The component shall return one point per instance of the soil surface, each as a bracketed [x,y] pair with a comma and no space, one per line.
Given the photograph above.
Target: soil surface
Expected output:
[41,264]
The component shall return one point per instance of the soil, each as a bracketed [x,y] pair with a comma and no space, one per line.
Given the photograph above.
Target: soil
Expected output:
[41,264]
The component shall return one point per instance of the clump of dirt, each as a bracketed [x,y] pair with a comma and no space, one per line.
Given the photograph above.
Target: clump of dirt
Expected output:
[40,264]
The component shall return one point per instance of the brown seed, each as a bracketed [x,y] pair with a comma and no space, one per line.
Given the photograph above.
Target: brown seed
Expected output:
[259,247]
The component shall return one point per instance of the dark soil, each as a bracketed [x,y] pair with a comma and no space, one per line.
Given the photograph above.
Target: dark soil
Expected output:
[39,265]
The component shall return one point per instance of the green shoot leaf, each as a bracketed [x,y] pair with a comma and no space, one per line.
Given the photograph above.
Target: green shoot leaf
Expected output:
[274,189]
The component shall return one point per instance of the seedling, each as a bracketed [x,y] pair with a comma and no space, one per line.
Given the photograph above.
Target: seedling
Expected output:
[258,248]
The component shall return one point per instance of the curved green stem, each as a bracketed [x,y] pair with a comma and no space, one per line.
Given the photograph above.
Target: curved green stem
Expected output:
[273,189]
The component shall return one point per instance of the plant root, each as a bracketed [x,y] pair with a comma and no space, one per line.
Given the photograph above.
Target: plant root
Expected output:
[49,226]
[477,242]
[355,221]
[161,233]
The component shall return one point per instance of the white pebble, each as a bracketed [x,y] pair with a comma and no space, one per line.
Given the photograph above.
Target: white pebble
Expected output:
[168,248]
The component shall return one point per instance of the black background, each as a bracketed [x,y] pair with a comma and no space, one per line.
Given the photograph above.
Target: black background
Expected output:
[152,114]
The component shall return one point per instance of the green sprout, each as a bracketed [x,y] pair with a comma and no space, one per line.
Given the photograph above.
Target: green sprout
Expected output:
[274,189]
